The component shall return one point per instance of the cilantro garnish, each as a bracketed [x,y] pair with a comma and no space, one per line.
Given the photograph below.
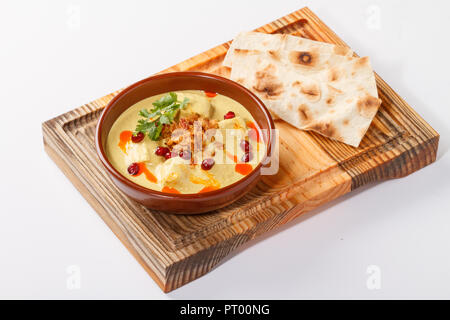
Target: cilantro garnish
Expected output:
[164,112]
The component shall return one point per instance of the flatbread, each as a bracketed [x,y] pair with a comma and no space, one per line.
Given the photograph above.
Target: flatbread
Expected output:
[311,85]
[280,42]
[316,89]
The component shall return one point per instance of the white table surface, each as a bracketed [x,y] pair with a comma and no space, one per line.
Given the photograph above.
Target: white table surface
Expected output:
[57,55]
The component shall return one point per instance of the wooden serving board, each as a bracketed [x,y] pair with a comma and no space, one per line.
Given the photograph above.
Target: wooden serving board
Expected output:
[176,249]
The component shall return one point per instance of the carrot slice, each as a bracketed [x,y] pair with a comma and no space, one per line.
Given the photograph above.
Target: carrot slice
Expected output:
[210,94]
[124,138]
[144,170]
[208,189]
[243,168]
[170,190]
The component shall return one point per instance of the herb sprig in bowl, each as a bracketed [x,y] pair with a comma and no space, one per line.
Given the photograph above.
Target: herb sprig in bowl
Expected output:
[164,112]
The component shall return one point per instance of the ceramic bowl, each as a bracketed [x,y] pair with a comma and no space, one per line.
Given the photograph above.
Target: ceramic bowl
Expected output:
[183,203]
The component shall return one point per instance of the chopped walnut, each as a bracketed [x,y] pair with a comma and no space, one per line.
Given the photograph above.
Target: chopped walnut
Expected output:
[182,135]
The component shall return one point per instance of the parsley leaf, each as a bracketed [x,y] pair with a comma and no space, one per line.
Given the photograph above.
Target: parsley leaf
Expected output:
[164,119]
[144,113]
[155,131]
[165,101]
[164,112]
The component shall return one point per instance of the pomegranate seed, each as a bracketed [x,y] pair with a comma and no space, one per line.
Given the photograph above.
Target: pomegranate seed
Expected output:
[207,164]
[168,155]
[162,151]
[138,137]
[229,115]
[133,169]
[245,146]
[185,154]
[247,157]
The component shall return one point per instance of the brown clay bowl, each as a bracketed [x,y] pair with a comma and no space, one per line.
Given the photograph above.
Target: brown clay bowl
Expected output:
[183,203]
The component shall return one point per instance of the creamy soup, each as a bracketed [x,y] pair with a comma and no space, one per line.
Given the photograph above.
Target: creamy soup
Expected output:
[185,142]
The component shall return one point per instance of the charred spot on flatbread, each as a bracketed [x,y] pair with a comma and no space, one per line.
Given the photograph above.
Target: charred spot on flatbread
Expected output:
[304,58]
[304,113]
[361,63]
[245,52]
[334,74]
[311,91]
[342,51]
[267,84]
[330,100]
[368,105]
[334,90]
[325,128]
[332,93]
[275,54]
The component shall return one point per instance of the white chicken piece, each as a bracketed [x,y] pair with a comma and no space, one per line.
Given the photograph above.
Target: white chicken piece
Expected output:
[233,132]
[234,123]
[137,152]
[174,172]
[197,104]
[142,152]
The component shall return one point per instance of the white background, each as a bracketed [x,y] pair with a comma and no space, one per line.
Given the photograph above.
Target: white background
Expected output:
[58,55]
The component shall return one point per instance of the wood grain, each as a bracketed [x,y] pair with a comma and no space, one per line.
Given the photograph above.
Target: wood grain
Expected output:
[314,170]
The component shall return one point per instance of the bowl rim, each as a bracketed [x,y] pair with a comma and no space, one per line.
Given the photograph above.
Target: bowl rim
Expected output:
[117,175]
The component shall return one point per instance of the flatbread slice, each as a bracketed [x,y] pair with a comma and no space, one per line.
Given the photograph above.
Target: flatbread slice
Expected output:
[281,42]
[316,90]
